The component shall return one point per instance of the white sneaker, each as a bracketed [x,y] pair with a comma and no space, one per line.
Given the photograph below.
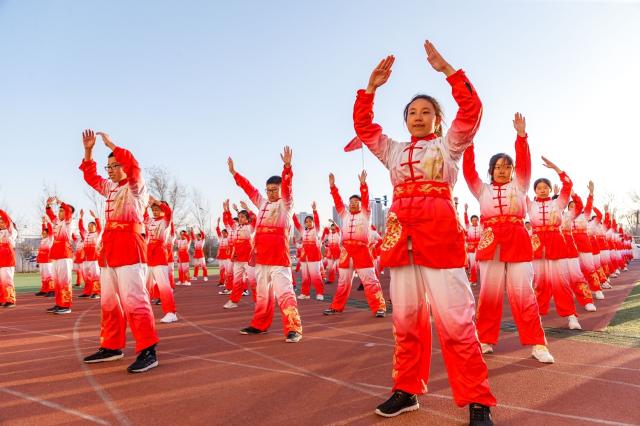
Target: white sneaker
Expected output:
[625,269]
[178,282]
[169,317]
[618,271]
[225,292]
[206,279]
[245,293]
[186,283]
[598,295]
[194,278]
[486,348]
[230,305]
[302,296]
[573,323]
[606,285]
[590,307]
[542,354]
[319,297]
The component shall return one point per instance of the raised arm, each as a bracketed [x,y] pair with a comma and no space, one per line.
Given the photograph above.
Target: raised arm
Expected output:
[128,163]
[88,165]
[83,232]
[296,223]
[286,190]
[523,155]
[469,170]
[364,193]
[578,207]
[567,185]
[598,214]
[466,215]
[247,187]
[316,218]
[49,211]
[589,206]
[337,200]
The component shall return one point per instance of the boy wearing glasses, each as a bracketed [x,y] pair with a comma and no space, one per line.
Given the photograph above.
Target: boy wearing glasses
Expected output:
[125,298]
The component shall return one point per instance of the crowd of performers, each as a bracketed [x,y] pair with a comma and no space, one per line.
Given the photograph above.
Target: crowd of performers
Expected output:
[538,245]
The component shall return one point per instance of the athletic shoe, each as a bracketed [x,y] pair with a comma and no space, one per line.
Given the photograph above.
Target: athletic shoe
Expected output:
[245,293]
[606,285]
[573,323]
[381,313]
[293,337]
[51,294]
[542,354]
[104,355]
[319,297]
[95,296]
[590,307]
[206,279]
[230,305]
[194,278]
[41,293]
[598,295]
[9,305]
[157,302]
[62,311]
[225,292]
[625,269]
[145,361]
[331,311]
[252,330]
[186,283]
[400,402]
[479,415]
[220,284]
[52,309]
[486,348]
[302,296]
[84,296]
[169,317]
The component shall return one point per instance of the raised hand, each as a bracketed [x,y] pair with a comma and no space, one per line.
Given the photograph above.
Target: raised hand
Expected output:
[520,124]
[363,177]
[380,74]
[286,155]
[590,186]
[106,139]
[313,205]
[88,139]
[232,169]
[218,222]
[93,215]
[81,213]
[235,207]
[51,200]
[436,60]
[332,180]
[547,163]
[466,207]
[244,205]
[556,189]
[606,208]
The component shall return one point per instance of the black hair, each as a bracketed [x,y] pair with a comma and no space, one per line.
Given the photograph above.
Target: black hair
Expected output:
[475,217]
[111,154]
[92,223]
[494,160]
[543,180]
[277,180]
[355,196]
[436,106]
[73,209]
[308,217]
[244,213]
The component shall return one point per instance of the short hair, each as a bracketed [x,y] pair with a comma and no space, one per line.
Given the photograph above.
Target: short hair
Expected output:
[244,213]
[92,223]
[542,180]
[111,154]
[355,196]
[474,216]
[308,217]
[274,180]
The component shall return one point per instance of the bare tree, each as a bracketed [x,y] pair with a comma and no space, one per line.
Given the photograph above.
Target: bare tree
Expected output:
[163,186]
[97,201]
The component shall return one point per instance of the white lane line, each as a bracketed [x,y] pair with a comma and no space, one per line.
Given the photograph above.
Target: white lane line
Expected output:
[54,406]
[108,401]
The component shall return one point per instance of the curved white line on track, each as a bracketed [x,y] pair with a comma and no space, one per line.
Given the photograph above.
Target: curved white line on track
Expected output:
[54,406]
[104,396]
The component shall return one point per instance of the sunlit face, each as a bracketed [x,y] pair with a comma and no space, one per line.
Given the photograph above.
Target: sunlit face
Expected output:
[242,219]
[61,214]
[354,204]
[503,171]
[183,235]
[333,229]
[542,190]
[116,174]
[273,192]
[421,118]
[45,234]
[3,225]
[572,206]
[157,212]
[474,221]
[225,234]
[308,223]
[92,227]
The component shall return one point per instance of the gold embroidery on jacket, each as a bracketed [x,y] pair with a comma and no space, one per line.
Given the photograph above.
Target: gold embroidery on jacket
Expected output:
[394,231]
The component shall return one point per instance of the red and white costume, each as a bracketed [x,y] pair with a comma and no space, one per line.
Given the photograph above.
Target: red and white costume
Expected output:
[593,227]
[232,228]
[78,258]
[125,298]
[44,263]
[355,255]
[158,236]
[579,227]
[90,267]
[244,271]
[577,279]
[424,249]
[224,257]
[198,255]
[273,262]
[333,241]
[183,245]
[375,242]
[551,276]
[310,257]
[61,255]
[473,234]
[504,251]
[7,260]
[170,256]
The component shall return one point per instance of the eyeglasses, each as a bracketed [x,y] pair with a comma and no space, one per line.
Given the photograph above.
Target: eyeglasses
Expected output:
[111,167]
[273,190]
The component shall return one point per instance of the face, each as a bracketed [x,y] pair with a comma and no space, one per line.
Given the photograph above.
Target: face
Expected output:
[474,221]
[224,234]
[421,118]
[3,225]
[354,204]
[183,235]
[242,219]
[273,192]
[116,174]
[572,206]
[61,214]
[92,227]
[502,171]
[333,228]
[542,190]
[308,223]
[45,234]
[157,212]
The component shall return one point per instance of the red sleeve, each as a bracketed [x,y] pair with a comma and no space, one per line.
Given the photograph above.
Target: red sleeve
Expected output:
[81,228]
[67,212]
[469,170]
[363,124]
[296,223]
[316,219]
[130,166]
[589,207]
[49,211]
[598,214]
[337,200]
[287,185]
[250,190]
[191,236]
[218,232]
[91,176]
[607,220]
[565,192]
[98,225]
[325,232]
[227,219]
[49,229]
[578,206]
[5,217]
[364,194]
[252,218]
[466,219]
[467,121]
[523,163]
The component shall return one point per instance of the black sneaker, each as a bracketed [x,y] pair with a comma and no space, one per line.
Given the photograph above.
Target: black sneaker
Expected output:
[146,361]
[94,296]
[50,294]
[62,311]
[52,309]
[381,313]
[252,330]
[293,337]
[9,305]
[400,402]
[84,296]
[104,355]
[479,415]
[41,293]
[331,311]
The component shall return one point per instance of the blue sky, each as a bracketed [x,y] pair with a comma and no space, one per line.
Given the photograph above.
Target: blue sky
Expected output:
[185,84]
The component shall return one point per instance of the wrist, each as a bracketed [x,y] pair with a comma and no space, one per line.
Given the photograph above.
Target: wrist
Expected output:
[449,70]
[370,90]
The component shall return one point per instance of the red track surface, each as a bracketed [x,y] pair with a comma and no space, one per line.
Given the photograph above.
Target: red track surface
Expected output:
[210,374]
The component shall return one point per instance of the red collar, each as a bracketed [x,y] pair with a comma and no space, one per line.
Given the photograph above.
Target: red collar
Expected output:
[542,199]
[426,138]
[498,184]
[354,213]
[123,182]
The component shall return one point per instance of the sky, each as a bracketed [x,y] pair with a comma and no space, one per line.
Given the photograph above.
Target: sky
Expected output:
[184,85]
